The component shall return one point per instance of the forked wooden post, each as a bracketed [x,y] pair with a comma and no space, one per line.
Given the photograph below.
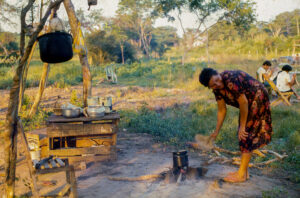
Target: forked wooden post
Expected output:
[44,77]
[28,159]
[12,111]
[86,74]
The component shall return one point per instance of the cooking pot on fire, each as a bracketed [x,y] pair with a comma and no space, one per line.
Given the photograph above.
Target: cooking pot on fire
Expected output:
[180,159]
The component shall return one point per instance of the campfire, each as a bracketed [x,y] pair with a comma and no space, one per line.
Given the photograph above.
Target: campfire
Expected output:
[181,171]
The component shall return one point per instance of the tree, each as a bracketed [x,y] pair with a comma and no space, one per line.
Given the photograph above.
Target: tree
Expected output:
[118,31]
[238,12]
[163,38]
[137,19]
[105,47]
[96,20]
[7,11]
[285,23]
[7,43]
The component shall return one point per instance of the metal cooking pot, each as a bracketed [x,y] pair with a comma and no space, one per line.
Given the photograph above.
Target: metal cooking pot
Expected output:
[96,111]
[180,159]
[71,113]
[56,47]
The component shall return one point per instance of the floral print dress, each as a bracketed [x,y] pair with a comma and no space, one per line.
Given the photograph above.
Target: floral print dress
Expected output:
[259,122]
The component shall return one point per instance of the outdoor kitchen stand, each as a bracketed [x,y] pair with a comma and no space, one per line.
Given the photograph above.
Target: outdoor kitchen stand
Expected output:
[82,138]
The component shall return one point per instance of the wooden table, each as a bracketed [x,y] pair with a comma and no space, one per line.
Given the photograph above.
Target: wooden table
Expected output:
[81,137]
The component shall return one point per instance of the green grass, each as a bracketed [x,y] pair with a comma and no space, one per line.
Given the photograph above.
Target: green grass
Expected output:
[278,192]
[179,124]
[35,122]
[149,73]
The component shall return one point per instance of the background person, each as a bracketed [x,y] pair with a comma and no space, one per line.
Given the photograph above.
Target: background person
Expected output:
[264,69]
[239,89]
[285,81]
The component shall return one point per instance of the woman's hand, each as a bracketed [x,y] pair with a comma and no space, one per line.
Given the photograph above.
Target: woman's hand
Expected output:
[242,134]
[213,136]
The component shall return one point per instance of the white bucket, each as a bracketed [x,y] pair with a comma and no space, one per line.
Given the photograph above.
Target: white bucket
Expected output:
[35,155]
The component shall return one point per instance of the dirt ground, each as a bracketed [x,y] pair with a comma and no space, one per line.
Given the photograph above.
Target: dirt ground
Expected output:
[138,154]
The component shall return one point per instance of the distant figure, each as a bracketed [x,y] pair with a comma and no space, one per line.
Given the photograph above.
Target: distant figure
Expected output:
[264,69]
[240,90]
[285,82]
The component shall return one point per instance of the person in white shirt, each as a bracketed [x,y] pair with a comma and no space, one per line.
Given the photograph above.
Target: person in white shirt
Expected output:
[264,69]
[285,81]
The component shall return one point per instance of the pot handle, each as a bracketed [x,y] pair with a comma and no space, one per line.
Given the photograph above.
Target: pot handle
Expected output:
[85,112]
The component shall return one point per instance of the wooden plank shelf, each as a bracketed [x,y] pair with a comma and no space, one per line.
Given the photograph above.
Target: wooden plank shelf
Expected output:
[64,130]
[65,152]
[81,137]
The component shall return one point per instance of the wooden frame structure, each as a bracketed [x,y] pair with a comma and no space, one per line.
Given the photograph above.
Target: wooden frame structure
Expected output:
[57,166]
[19,79]
[282,97]
[92,137]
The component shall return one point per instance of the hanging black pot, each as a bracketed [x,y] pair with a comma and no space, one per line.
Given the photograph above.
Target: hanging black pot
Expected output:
[56,47]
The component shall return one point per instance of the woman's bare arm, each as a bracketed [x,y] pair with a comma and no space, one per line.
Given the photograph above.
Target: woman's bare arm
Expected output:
[243,105]
[220,117]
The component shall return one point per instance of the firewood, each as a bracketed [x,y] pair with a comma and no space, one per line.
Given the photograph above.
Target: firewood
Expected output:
[274,153]
[140,178]
[217,152]
[227,151]
[179,178]
[271,160]
[259,153]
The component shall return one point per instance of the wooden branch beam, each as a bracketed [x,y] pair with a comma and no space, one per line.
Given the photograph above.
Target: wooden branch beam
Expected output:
[12,112]
[24,76]
[44,77]
[87,80]
[28,159]
[23,25]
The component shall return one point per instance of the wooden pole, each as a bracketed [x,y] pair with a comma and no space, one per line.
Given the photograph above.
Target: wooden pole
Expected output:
[87,80]
[42,85]
[34,190]
[24,74]
[12,112]
[44,77]
[41,10]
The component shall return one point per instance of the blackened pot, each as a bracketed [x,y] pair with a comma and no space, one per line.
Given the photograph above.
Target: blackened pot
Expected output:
[180,159]
[56,47]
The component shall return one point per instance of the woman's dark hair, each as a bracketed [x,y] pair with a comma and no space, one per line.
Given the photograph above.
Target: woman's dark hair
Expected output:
[268,63]
[287,68]
[205,75]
